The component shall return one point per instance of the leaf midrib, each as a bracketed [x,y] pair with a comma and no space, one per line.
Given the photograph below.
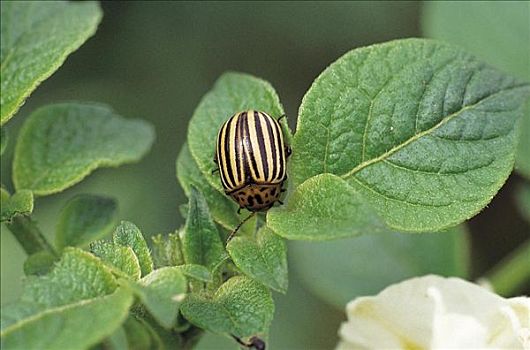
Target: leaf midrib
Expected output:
[417,136]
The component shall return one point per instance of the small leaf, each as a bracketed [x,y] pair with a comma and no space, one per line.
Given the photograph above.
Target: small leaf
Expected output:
[240,307]
[263,258]
[338,271]
[162,292]
[116,341]
[19,203]
[36,39]
[167,250]
[197,272]
[3,140]
[119,257]
[84,219]
[74,326]
[128,235]
[323,207]
[40,263]
[61,144]
[232,93]
[200,239]
[420,130]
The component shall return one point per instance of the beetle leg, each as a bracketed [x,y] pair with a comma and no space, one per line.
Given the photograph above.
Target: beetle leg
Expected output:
[281,117]
[283,190]
[215,170]
[239,210]
[288,151]
[279,201]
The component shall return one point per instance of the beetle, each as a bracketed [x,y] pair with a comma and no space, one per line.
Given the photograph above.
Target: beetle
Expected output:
[251,155]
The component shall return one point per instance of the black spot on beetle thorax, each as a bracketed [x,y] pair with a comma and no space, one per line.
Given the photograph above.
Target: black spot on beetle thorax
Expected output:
[257,197]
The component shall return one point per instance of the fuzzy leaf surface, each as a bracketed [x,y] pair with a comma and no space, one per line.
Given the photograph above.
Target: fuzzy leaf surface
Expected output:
[422,131]
[263,258]
[61,144]
[128,235]
[78,325]
[19,203]
[36,39]
[162,291]
[200,239]
[241,307]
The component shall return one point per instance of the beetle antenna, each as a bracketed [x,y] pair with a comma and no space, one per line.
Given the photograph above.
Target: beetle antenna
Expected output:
[238,226]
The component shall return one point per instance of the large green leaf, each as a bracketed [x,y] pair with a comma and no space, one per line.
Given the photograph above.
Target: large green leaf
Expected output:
[74,326]
[263,258]
[420,130]
[19,203]
[36,39]
[340,270]
[496,31]
[232,93]
[84,219]
[162,291]
[240,307]
[61,144]
[128,235]
[201,243]
[77,276]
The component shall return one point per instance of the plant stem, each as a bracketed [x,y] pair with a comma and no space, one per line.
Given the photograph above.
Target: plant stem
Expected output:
[29,236]
[512,271]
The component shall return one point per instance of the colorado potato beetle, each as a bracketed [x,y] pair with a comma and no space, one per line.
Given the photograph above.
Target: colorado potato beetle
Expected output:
[251,155]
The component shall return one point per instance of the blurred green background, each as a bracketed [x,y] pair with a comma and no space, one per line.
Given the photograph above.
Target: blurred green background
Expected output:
[155,60]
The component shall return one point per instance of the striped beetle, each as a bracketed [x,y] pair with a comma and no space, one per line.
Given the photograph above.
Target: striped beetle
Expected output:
[251,155]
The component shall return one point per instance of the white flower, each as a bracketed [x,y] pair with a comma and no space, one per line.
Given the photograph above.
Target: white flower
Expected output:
[433,312]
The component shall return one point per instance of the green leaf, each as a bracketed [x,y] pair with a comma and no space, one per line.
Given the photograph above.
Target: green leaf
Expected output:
[138,336]
[222,208]
[116,341]
[338,271]
[232,93]
[21,203]
[119,257]
[3,140]
[40,263]
[200,239]
[167,250]
[84,219]
[128,235]
[77,276]
[162,292]
[263,258]
[522,196]
[197,272]
[61,144]
[241,307]
[421,131]
[323,207]
[74,326]
[475,26]
[36,39]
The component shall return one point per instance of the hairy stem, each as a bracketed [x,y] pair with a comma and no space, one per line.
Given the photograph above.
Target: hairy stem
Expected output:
[29,236]
[512,272]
